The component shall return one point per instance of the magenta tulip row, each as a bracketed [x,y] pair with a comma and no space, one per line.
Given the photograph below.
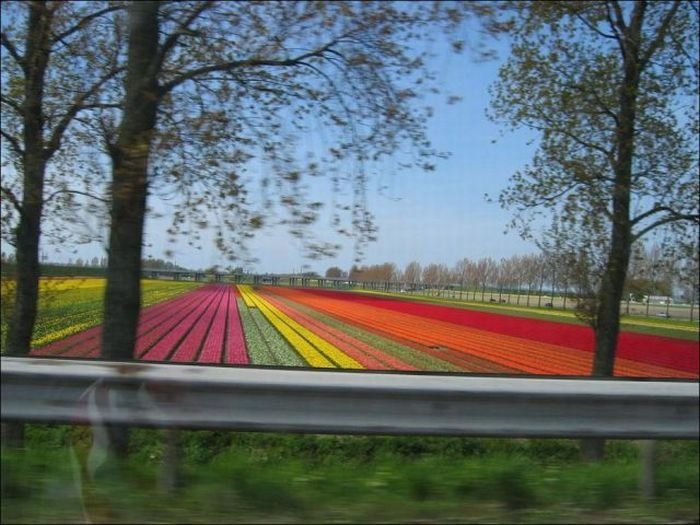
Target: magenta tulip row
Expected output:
[202,326]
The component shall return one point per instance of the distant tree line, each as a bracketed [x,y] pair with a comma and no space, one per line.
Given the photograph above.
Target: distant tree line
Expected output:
[95,262]
[652,272]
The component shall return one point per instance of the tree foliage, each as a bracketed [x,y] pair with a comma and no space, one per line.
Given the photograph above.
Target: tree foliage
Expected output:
[261,103]
[65,86]
[335,273]
[612,87]
[50,76]
[216,96]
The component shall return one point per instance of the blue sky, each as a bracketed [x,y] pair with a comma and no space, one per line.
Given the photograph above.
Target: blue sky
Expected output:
[440,216]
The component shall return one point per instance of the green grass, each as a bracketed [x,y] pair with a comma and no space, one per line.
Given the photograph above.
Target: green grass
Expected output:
[290,478]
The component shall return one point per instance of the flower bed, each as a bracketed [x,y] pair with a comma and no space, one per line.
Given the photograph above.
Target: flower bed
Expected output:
[655,350]
[326,329]
[198,326]
[316,351]
[523,354]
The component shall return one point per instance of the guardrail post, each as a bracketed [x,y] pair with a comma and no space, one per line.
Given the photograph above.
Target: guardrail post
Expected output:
[170,474]
[648,449]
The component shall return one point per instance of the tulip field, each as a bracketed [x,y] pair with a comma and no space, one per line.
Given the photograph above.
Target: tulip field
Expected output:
[278,326]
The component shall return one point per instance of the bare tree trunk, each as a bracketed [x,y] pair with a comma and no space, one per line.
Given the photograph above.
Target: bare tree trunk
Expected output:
[27,248]
[613,282]
[607,321]
[34,165]
[28,233]
[128,193]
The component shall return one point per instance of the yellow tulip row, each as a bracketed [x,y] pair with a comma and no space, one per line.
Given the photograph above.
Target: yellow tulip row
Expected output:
[70,283]
[245,291]
[61,334]
[316,351]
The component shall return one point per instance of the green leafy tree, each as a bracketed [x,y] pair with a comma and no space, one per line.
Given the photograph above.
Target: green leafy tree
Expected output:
[612,88]
[50,77]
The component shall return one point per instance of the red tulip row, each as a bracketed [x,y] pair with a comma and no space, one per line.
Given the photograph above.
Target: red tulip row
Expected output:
[666,352]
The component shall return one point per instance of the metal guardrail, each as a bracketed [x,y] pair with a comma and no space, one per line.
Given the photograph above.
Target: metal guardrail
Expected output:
[293,400]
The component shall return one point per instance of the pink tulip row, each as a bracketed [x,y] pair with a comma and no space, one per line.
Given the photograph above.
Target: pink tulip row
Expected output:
[211,332]
[86,343]
[236,352]
[188,348]
[207,331]
[174,329]
[203,326]
[152,318]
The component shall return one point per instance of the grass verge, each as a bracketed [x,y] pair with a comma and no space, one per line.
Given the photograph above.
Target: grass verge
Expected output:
[289,478]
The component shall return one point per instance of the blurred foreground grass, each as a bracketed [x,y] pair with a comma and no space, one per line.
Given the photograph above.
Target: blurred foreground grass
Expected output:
[284,478]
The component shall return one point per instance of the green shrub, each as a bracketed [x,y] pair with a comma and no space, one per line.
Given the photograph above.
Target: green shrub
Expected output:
[514,486]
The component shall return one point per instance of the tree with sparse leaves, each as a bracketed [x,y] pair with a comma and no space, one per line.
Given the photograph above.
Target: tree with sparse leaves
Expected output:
[217,95]
[51,76]
[612,88]
[334,272]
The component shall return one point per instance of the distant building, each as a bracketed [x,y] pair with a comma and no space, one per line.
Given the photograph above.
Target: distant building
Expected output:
[658,299]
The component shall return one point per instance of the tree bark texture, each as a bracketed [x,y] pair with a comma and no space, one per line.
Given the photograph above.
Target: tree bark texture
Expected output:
[129,189]
[130,156]
[608,314]
[36,60]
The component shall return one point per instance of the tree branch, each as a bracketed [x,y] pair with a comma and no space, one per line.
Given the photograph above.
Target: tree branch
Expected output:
[654,211]
[236,64]
[673,216]
[12,198]
[182,29]
[551,125]
[605,110]
[617,23]
[13,142]
[14,105]
[75,192]
[594,28]
[78,106]
[660,35]
[609,18]
[13,52]
[83,22]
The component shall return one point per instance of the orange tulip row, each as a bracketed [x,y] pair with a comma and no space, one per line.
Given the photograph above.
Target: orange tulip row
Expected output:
[522,354]
[458,361]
